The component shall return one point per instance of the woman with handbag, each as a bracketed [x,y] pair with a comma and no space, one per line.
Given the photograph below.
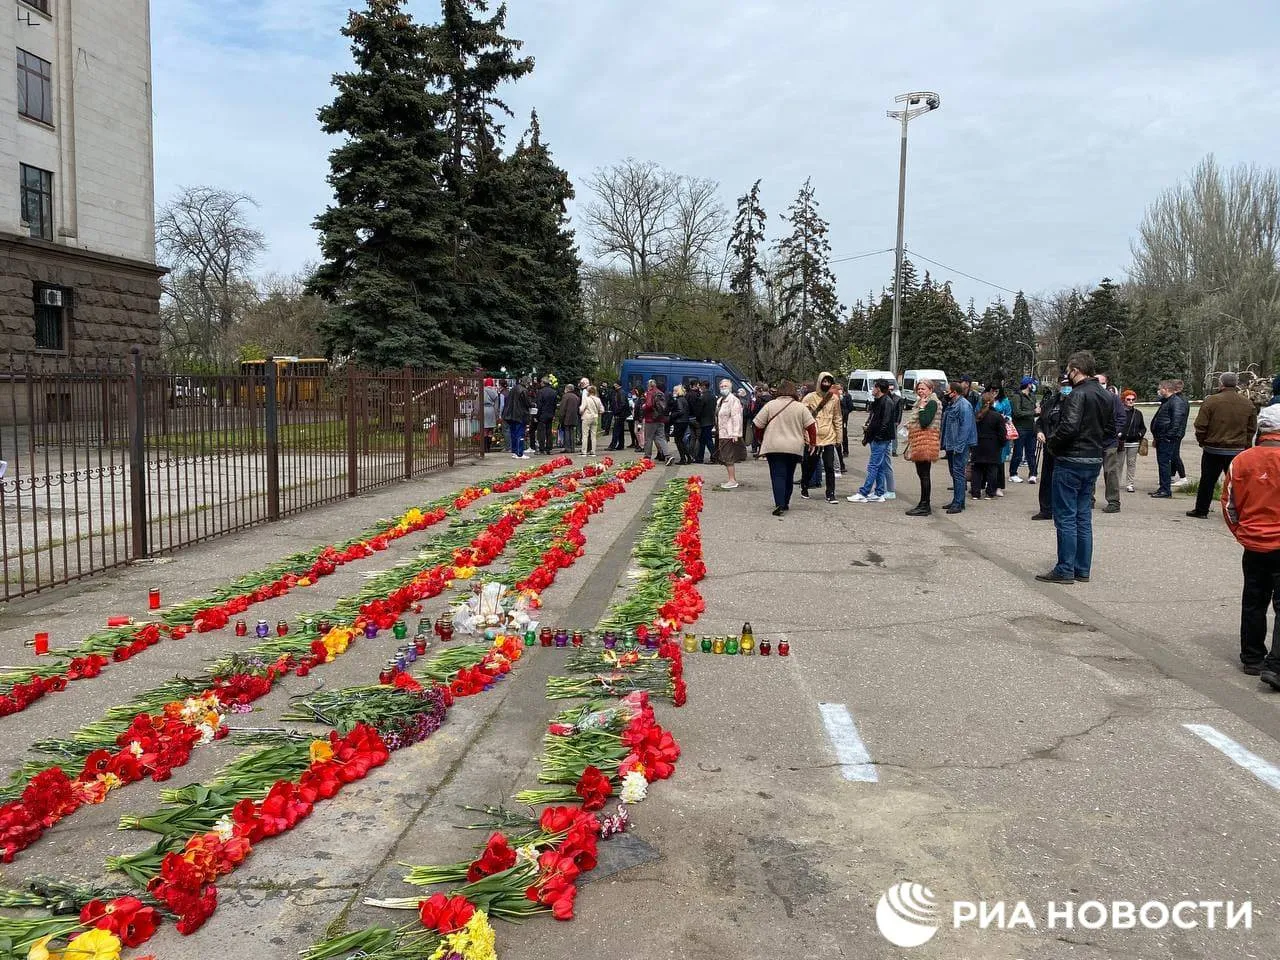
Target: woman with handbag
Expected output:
[1133,437]
[1004,407]
[788,426]
[730,449]
[924,437]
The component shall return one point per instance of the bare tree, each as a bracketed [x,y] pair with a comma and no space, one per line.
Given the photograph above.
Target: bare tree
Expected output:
[1209,248]
[660,239]
[284,320]
[203,235]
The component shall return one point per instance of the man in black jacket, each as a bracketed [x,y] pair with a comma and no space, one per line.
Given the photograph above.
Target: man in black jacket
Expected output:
[546,414]
[619,406]
[1046,422]
[695,399]
[1078,445]
[706,422]
[1168,427]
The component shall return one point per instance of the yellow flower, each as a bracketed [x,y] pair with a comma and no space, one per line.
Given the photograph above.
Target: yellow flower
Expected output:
[94,945]
[464,573]
[304,582]
[487,491]
[337,640]
[321,751]
[40,950]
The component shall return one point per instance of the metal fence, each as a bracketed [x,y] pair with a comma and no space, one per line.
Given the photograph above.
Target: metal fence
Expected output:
[112,462]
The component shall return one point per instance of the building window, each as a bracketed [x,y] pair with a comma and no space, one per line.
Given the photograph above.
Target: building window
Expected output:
[37,202]
[41,5]
[35,87]
[51,307]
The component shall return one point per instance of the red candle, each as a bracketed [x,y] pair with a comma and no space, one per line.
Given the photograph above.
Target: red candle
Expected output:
[119,621]
[153,599]
[784,648]
[42,644]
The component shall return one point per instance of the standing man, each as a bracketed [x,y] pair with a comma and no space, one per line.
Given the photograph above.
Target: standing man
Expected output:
[1225,427]
[763,396]
[654,412]
[1046,423]
[846,408]
[514,414]
[878,434]
[1112,458]
[693,434]
[492,401]
[959,434]
[968,392]
[1078,444]
[1167,428]
[1180,468]
[1251,507]
[1024,420]
[619,406]
[706,423]
[546,407]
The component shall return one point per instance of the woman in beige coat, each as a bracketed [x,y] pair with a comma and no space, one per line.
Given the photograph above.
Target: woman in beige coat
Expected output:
[788,425]
[730,449]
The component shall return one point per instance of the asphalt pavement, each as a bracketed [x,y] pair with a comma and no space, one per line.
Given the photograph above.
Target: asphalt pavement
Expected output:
[943,719]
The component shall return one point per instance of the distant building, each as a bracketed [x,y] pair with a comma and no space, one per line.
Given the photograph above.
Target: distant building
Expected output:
[77,196]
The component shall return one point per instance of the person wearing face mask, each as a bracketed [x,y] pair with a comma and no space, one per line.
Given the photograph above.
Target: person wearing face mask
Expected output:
[1079,443]
[824,404]
[730,450]
[1046,422]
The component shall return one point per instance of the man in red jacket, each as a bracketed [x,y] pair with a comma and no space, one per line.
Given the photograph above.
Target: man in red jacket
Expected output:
[1251,507]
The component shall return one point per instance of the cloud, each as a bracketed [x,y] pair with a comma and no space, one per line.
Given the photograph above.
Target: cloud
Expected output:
[1061,119]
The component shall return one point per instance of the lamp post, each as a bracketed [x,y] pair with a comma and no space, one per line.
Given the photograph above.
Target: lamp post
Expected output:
[1031,350]
[917,105]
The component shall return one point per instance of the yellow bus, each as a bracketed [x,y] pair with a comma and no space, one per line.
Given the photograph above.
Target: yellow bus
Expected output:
[301,385]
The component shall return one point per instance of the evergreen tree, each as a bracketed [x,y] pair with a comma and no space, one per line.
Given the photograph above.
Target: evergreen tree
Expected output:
[1022,337]
[547,269]
[752,326]
[991,345]
[469,58]
[811,310]
[1153,349]
[1099,325]
[384,242]
[939,335]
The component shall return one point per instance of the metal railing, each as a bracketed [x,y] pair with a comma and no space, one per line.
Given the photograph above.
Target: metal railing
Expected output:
[115,461]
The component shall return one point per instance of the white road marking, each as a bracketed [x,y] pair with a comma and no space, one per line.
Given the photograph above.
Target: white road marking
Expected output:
[855,761]
[1266,772]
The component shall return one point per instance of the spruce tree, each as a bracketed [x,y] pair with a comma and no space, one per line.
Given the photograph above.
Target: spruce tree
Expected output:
[386,257]
[939,336]
[1022,337]
[1099,326]
[991,347]
[752,327]
[549,266]
[810,307]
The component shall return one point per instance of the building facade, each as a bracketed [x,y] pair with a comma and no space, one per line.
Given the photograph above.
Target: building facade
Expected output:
[78,276]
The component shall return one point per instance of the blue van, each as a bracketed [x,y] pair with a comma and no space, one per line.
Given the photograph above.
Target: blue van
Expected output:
[669,369]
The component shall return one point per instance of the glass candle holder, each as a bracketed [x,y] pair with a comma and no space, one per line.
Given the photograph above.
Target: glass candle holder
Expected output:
[766,648]
[717,645]
[706,644]
[282,628]
[324,627]
[577,638]
[446,631]
[370,630]
[388,673]
[41,643]
[610,640]
[153,599]
[262,629]
[545,637]
[401,630]
[242,628]
[690,643]
[731,646]
[420,645]
[784,648]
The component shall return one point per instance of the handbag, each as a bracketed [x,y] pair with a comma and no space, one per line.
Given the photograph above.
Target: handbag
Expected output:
[1144,448]
[1010,431]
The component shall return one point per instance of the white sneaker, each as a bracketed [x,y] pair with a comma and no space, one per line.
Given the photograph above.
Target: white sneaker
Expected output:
[1129,488]
[1179,484]
[515,456]
[999,493]
[1015,479]
[857,498]
[1031,479]
[880,499]
[525,456]
[888,496]
[839,474]
[728,486]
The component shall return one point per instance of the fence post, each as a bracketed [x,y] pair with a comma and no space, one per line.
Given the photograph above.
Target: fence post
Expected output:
[408,423]
[353,461]
[271,413]
[451,417]
[137,456]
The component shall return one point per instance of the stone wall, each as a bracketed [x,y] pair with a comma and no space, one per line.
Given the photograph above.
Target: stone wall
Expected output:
[115,303]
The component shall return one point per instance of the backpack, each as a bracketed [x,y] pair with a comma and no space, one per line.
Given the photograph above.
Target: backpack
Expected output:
[659,405]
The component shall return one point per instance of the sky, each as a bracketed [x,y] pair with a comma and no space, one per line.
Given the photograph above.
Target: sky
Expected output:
[1060,119]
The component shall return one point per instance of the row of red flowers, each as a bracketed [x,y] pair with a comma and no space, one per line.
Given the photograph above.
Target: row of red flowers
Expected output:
[50,795]
[216,616]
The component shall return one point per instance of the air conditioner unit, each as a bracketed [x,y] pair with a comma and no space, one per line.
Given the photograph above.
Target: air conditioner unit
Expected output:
[50,298]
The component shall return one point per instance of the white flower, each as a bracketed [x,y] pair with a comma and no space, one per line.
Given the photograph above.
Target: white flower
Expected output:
[206,733]
[135,748]
[223,828]
[528,853]
[634,787]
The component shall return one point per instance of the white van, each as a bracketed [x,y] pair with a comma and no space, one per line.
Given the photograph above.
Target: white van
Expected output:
[860,384]
[911,377]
